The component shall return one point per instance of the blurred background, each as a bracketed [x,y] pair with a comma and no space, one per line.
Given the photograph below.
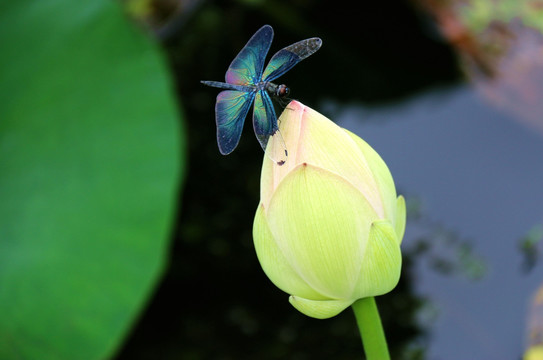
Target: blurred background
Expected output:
[448,92]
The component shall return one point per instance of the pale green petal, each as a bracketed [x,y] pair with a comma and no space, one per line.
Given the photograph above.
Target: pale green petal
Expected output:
[382,262]
[321,224]
[313,139]
[290,123]
[400,218]
[326,145]
[382,176]
[274,263]
[534,352]
[266,181]
[319,309]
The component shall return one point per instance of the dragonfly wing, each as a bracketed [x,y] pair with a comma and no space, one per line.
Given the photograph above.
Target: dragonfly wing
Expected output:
[286,58]
[230,112]
[246,68]
[266,129]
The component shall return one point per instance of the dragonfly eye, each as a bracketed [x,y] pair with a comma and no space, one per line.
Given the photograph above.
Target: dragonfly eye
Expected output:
[282,90]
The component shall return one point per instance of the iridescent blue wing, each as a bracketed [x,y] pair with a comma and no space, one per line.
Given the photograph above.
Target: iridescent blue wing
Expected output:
[246,68]
[266,129]
[286,58]
[230,112]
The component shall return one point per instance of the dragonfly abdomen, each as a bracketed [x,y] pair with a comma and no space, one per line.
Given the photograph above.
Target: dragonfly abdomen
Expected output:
[222,85]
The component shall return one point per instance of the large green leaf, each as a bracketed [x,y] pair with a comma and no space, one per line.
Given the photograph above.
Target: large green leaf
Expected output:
[89,171]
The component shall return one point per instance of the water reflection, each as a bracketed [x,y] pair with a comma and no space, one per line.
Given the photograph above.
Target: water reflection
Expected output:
[529,246]
[479,172]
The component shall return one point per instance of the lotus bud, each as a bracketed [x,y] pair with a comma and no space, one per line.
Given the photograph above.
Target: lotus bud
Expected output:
[329,226]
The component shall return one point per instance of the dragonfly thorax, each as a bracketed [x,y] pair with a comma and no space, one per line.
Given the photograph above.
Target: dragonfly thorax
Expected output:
[277,90]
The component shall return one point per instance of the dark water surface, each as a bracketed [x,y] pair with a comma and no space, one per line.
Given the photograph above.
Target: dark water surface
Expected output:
[472,175]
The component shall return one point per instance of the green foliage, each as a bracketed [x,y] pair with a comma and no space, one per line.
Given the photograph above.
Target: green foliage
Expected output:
[478,14]
[89,171]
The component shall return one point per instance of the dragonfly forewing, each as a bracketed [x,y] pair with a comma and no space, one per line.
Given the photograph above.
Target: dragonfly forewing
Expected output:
[285,59]
[246,68]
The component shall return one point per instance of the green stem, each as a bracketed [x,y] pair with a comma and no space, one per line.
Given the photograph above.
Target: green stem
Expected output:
[371,330]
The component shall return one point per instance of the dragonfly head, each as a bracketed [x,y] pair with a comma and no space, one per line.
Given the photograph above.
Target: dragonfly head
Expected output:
[282,91]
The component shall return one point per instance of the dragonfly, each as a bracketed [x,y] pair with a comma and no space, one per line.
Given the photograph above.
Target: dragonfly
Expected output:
[246,82]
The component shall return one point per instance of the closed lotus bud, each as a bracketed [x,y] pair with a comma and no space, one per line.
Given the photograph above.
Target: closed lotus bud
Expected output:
[328,227]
